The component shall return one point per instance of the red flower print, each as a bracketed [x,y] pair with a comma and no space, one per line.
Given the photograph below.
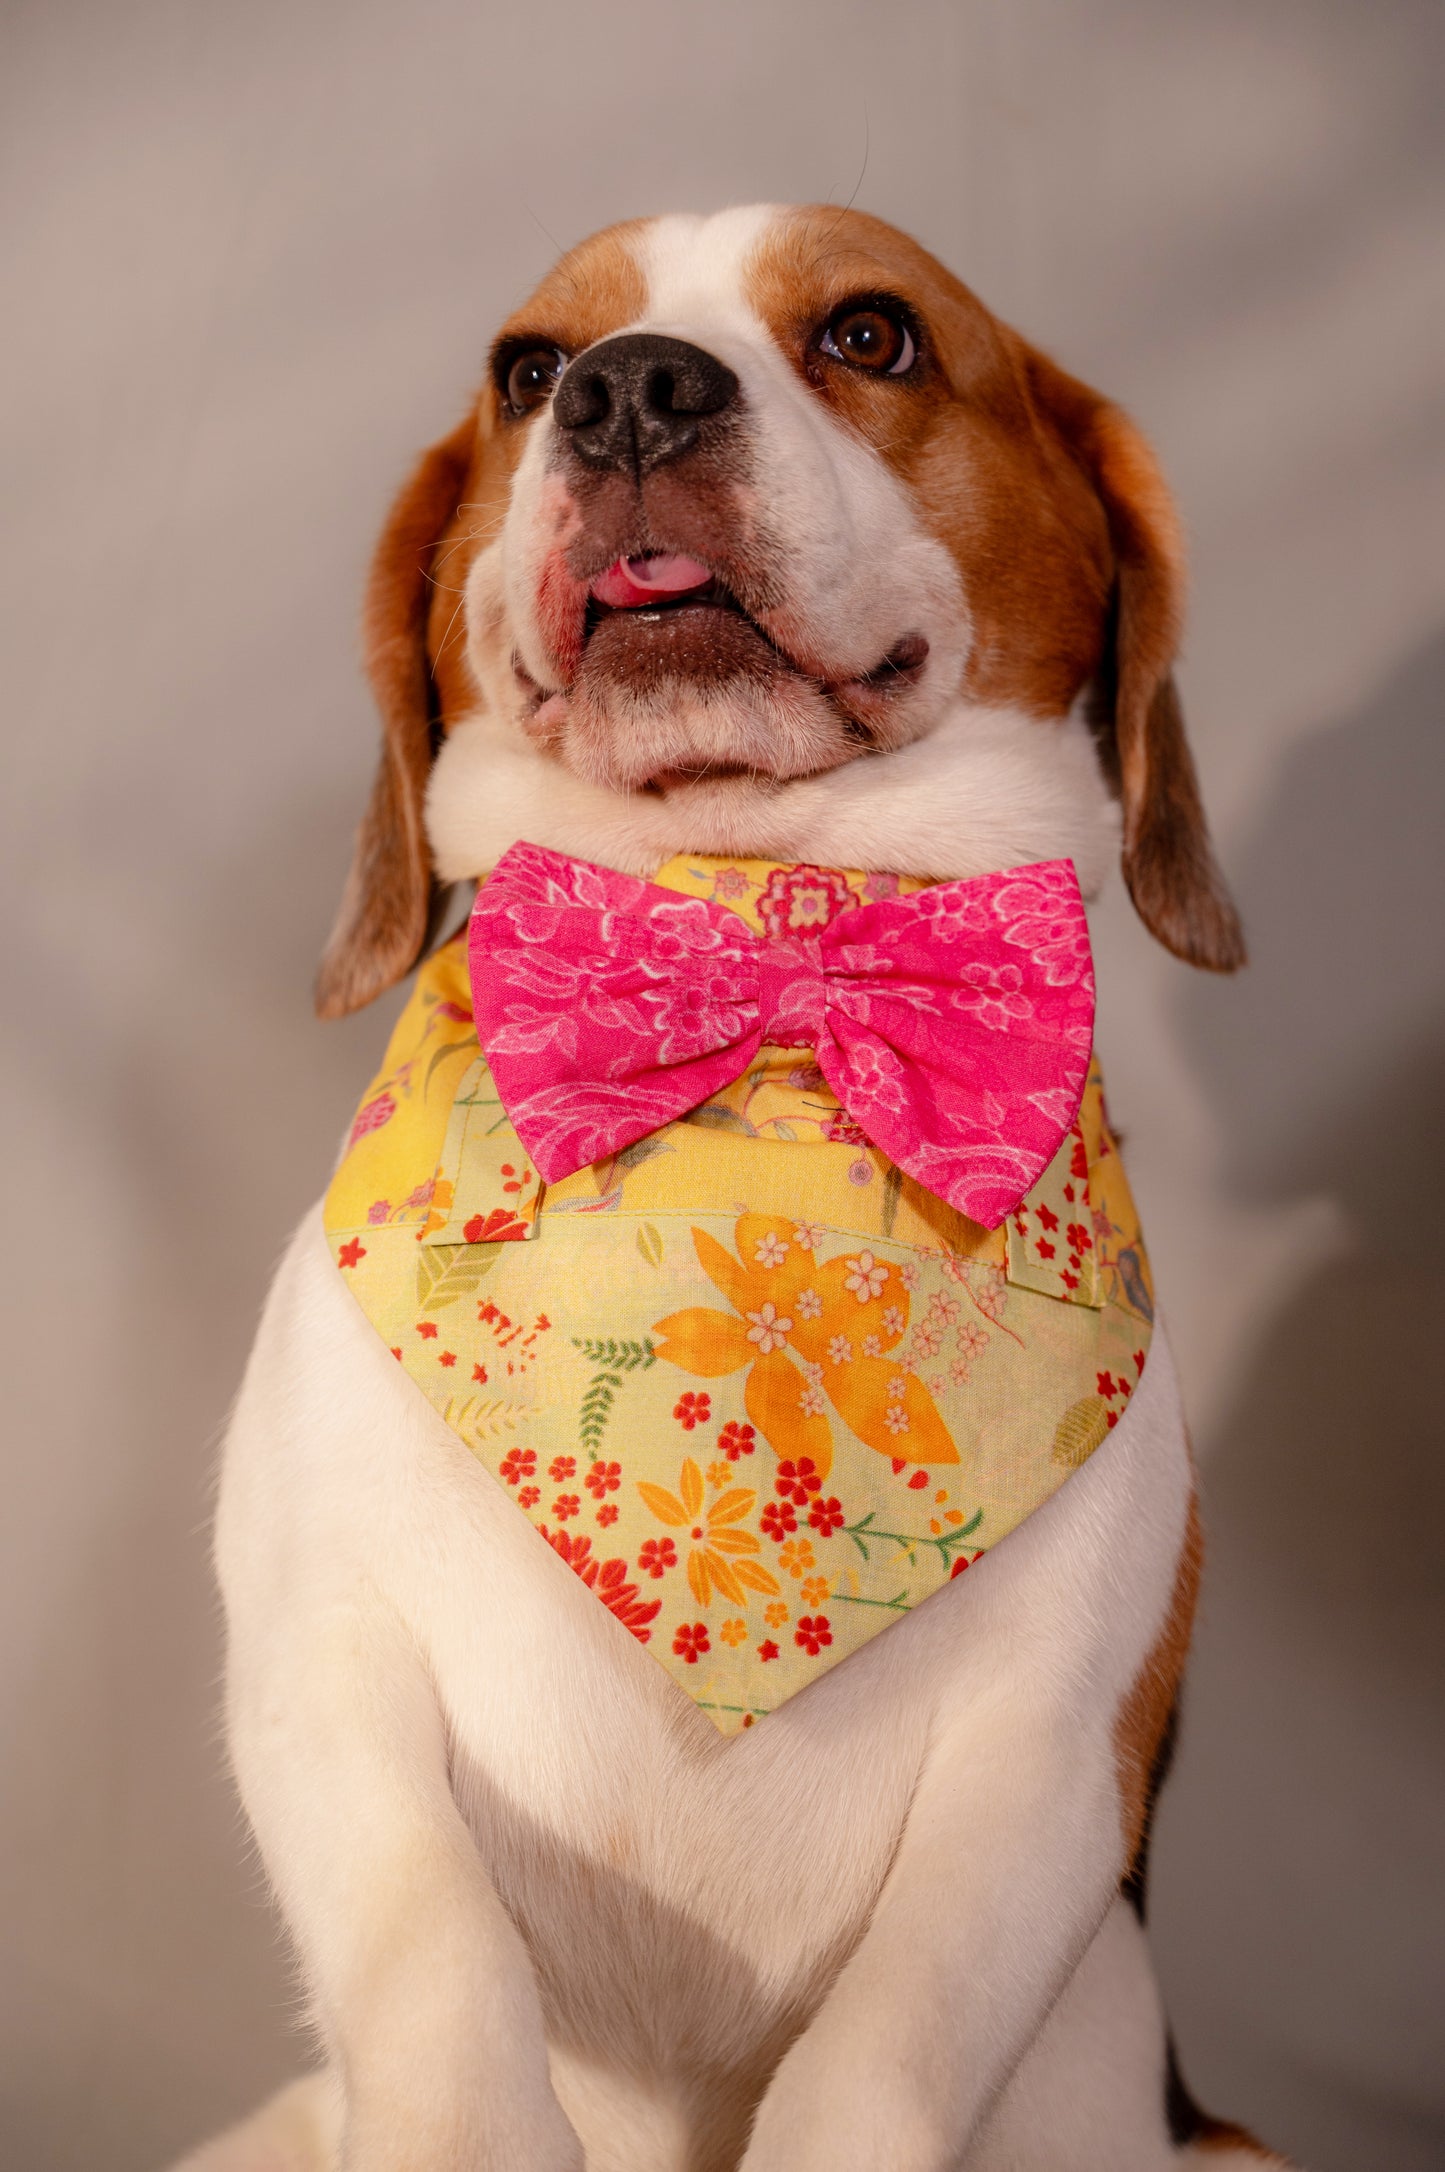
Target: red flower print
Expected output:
[826,1517]
[518,1463]
[1044,1249]
[501,1226]
[1047,1218]
[795,1481]
[529,1496]
[1079,1160]
[736,1440]
[768,1650]
[918,1480]
[562,1467]
[813,1632]
[691,1410]
[565,1507]
[479,1374]
[608,1579]
[447,1357]
[842,1130]
[427,1329]
[1108,1386]
[1138,1361]
[962,1562]
[691,1641]
[802,900]
[656,1556]
[604,1478]
[608,1513]
[1079,1237]
[778,1519]
[352,1251]
[371,1116]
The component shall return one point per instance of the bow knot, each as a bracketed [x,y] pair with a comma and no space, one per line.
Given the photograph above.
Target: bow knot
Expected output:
[954,1026]
[792,991]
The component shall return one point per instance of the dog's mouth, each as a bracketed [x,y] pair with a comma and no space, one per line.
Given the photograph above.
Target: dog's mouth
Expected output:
[663,635]
[664,614]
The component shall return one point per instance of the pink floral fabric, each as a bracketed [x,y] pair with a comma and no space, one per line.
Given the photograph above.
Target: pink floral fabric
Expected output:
[954,1025]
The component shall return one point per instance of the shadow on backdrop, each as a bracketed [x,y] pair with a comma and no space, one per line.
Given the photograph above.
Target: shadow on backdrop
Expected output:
[1325,1485]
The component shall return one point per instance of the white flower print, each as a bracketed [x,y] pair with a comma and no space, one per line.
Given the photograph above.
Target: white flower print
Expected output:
[872,1347]
[893,1320]
[840,1350]
[927,1342]
[811,1402]
[936,1384]
[972,1338]
[943,1308]
[896,1418]
[959,1371]
[807,1236]
[813,1371]
[771,1251]
[865,1277]
[809,1303]
[897,1390]
[910,1274]
[767,1330]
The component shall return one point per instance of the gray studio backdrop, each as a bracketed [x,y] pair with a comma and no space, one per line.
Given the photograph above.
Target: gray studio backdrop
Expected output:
[258,250]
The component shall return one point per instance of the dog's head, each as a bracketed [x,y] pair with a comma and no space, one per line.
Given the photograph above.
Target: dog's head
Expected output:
[764,537]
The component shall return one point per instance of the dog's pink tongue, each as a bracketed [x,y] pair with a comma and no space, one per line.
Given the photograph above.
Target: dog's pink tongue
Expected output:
[629,582]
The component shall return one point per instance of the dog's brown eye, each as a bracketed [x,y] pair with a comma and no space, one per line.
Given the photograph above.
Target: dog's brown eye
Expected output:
[531,376]
[870,338]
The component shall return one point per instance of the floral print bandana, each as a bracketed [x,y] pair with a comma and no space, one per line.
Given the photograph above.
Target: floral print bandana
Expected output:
[760,1389]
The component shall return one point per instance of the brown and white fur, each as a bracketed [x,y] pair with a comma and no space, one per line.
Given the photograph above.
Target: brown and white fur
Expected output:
[545,1916]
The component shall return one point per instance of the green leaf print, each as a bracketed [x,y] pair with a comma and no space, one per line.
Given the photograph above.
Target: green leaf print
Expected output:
[612,1359]
[1080,1431]
[865,1531]
[476,1418]
[716,1118]
[445,1272]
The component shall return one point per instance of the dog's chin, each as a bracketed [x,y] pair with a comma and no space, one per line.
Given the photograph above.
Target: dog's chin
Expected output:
[717,739]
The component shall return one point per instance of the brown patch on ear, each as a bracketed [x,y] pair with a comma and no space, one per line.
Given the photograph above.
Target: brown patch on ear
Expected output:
[1169,864]
[381,926]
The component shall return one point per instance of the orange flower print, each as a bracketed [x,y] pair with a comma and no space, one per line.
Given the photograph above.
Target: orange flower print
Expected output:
[797,1557]
[718,1557]
[775,1615]
[809,1332]
[734,1631]
[816,1590]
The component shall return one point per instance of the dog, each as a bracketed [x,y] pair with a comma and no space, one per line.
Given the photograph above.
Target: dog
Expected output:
[911,597]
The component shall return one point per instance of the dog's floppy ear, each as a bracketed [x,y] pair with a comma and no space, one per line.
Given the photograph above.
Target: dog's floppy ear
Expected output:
[381,926]
[1169,865]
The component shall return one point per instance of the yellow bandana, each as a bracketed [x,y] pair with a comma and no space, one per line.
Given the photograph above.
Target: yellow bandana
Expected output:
[760,1390]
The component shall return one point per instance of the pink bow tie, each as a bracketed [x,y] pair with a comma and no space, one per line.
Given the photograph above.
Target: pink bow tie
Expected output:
[954,1025]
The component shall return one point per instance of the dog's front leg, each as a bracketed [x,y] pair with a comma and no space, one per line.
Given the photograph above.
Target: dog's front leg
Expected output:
[1010,1856]
[420,1985]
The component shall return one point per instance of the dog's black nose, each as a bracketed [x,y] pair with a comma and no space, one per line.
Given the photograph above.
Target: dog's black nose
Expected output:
[633,402]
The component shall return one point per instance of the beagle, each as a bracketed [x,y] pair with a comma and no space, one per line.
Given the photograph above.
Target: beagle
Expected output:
[763,542]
